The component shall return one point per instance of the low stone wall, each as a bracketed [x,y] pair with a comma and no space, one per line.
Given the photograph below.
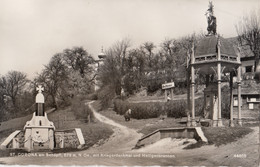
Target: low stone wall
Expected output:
[182,132]
[66,139]
[14,140]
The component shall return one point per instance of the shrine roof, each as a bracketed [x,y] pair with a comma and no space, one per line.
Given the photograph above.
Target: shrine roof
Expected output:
[208,45]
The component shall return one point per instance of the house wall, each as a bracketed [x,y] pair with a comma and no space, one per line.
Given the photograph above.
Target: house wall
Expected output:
[245,111]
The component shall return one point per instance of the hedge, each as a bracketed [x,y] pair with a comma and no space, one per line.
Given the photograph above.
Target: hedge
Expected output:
[146,110]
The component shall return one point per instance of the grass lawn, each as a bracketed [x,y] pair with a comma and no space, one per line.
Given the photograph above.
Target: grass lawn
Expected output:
[92,132]
[224,135]
[63,119]
[215,135]
[144,126]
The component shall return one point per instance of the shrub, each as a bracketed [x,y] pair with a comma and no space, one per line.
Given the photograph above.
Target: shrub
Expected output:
[225,102]
[82,111]
[176,109]
[106,95]
[146,110]
[92,96]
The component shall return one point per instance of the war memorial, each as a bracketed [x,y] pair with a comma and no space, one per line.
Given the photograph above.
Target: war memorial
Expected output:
[39,133]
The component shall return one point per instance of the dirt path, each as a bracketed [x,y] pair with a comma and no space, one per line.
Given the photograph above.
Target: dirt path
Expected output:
[123,139]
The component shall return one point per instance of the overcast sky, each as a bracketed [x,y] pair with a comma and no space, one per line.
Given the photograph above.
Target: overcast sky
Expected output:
[32,31]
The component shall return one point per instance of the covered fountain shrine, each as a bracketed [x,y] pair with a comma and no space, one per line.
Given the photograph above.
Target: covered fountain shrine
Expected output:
[213,56]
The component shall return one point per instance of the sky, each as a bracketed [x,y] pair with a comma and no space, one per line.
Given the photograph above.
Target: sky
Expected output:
[32,31]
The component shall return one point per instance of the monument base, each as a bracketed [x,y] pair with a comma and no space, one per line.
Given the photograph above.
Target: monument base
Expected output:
[39,133]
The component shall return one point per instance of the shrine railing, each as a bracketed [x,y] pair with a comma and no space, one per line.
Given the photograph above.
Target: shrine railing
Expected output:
[213,57]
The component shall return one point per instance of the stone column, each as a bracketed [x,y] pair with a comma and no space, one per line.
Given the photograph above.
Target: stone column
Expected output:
[231,99]
[193,121]
[219,86]
[51,139]
[28,139]
[188,98]
[219,96]
[239,94]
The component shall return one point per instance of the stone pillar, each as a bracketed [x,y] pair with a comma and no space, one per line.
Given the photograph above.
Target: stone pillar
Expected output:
[193,121]
[28,139]
[16,144]
[51,139]
[239,94]
[219,86]
[188,98]
[231,99]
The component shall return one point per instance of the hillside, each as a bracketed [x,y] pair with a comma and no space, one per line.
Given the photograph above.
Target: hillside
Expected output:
[62,119]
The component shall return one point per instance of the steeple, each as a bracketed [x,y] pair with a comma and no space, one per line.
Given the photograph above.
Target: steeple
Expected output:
[101,55]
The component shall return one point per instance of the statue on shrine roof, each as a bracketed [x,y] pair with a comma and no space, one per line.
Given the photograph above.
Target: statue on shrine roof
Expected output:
[212,21]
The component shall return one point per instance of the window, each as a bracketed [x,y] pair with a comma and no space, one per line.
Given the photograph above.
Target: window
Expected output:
[249,69]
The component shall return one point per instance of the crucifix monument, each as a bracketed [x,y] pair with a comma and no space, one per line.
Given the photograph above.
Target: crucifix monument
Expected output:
[39,131]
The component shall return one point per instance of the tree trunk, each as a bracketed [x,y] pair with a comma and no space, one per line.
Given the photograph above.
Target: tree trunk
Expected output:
[54,103]
[257,68]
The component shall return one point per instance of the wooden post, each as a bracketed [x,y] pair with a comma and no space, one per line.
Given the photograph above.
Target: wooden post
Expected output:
[171,91]
[165,92]
[231,99]
[239,94]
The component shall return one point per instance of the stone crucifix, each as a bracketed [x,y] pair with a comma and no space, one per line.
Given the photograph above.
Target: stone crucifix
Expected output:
[40,89]
[39,101]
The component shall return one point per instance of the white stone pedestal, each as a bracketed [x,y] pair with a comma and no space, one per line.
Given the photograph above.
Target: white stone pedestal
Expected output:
[39,133]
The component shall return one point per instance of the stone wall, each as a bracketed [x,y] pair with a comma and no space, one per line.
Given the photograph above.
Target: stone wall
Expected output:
[183,132]
[66,139]
[19,140]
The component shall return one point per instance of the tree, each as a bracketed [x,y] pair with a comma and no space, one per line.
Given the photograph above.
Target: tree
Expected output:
[78,59]
[170,48]
[149,47]
[137,67]
[113,71]
[12,85]
[248,30]
[54,78]
[80,70]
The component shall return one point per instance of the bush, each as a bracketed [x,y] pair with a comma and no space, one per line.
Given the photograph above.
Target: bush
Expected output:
[146,110]
[106,95]
[177,109]
[225,102]
[82,111]
[92,96]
